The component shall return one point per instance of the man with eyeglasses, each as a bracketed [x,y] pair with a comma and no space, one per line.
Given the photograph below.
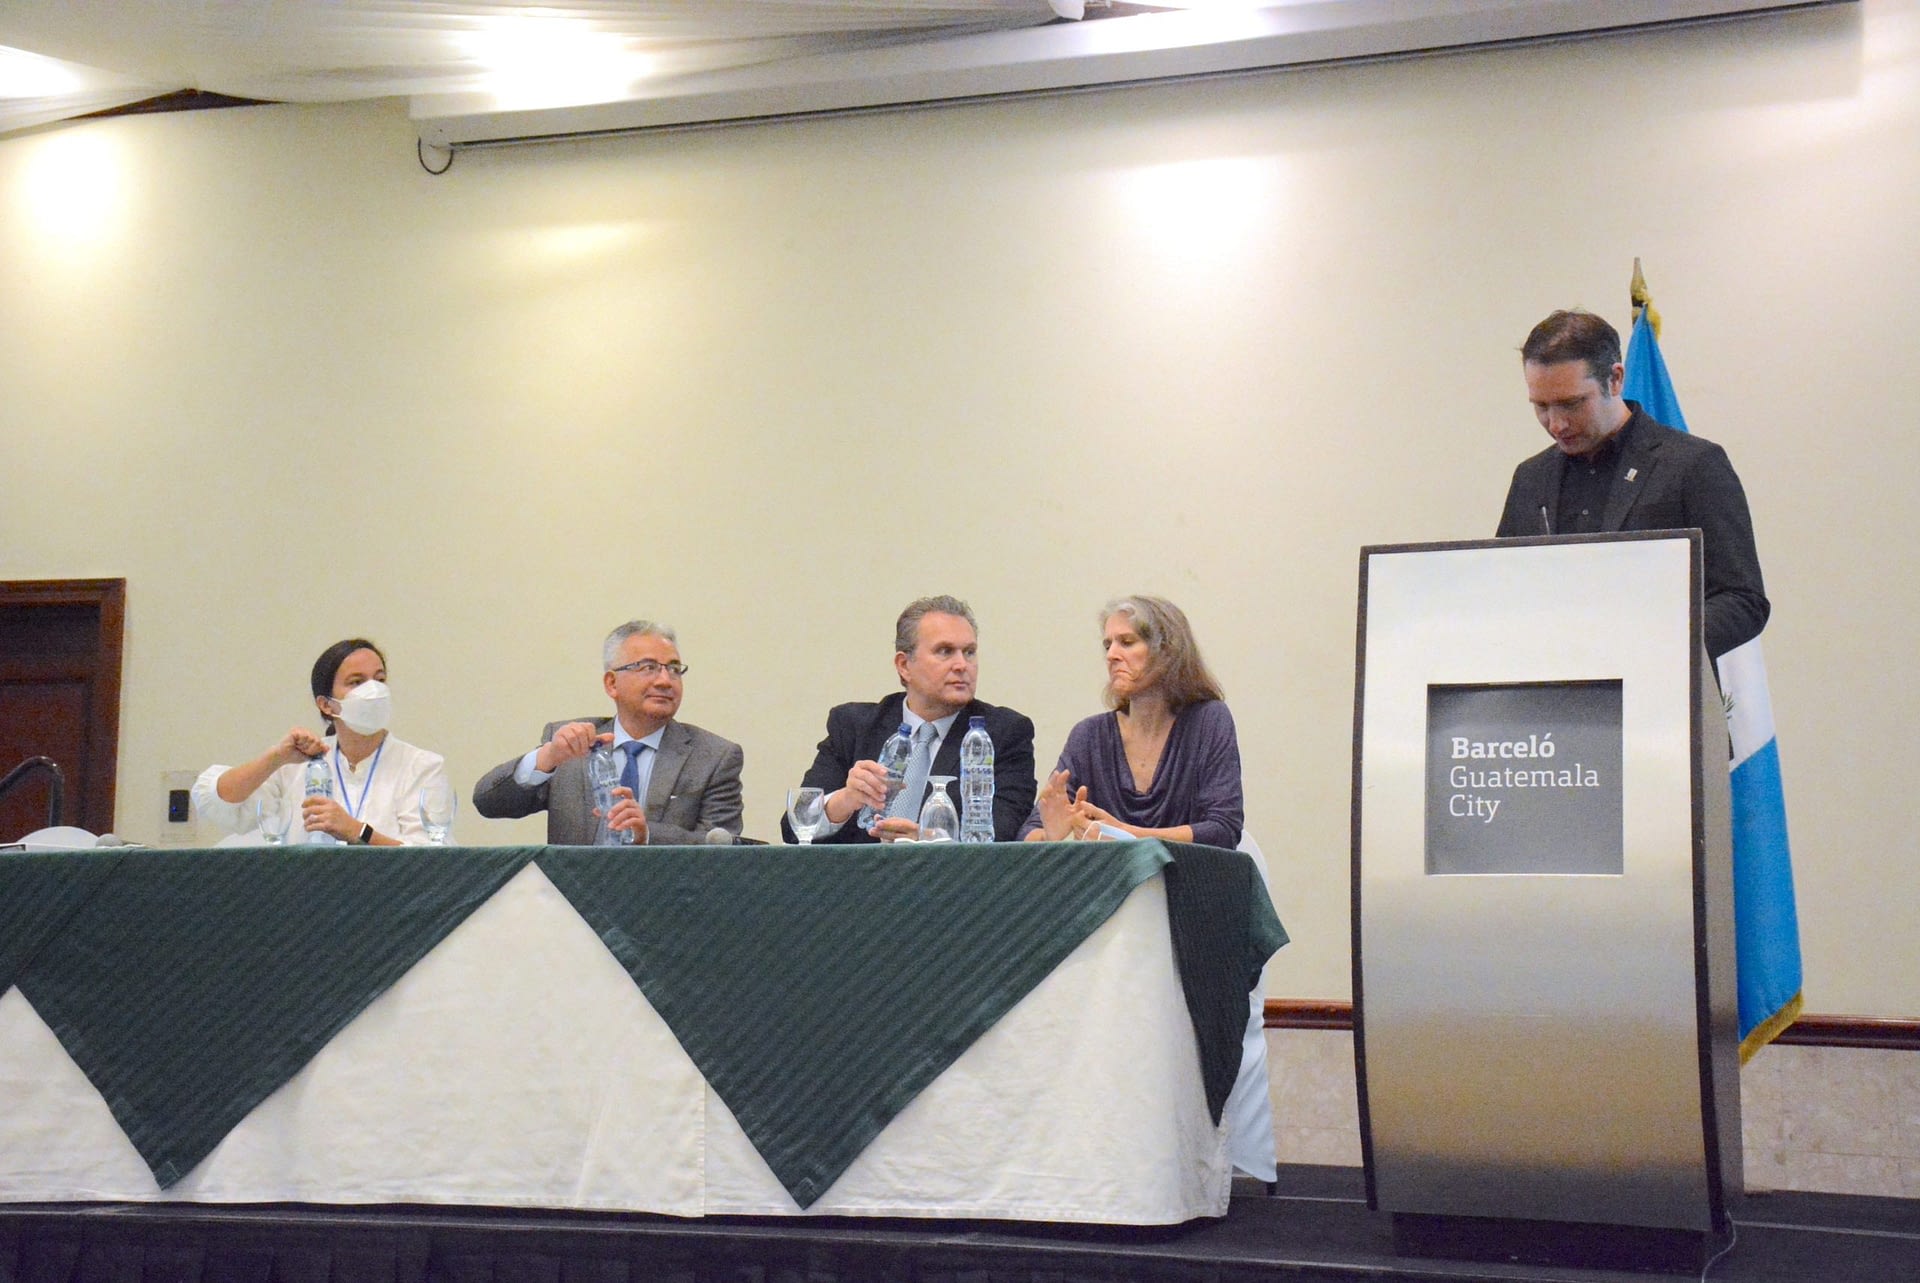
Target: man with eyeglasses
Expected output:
[678,782]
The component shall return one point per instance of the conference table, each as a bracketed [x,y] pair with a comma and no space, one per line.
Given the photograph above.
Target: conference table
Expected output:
[1009,1031]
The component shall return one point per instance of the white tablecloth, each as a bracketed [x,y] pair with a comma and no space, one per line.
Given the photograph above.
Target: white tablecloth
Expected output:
[519,1065]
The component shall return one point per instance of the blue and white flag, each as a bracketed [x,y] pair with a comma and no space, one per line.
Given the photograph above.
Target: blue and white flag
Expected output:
[1765,923]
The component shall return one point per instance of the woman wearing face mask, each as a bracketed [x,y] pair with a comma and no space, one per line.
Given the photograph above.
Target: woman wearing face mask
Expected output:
[376,778]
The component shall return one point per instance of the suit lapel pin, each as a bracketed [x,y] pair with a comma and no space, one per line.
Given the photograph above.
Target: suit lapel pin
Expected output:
[1632,473]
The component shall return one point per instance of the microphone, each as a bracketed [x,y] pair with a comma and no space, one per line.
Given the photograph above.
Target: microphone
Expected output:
[1546,525]
[719,837]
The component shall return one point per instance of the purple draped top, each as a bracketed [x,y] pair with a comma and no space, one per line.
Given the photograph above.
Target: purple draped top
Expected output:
[1197,781]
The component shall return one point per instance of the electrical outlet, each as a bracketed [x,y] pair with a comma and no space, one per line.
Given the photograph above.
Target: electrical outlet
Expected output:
[179,826]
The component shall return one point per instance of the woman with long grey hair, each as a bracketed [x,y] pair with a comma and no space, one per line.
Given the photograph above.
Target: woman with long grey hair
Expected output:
[1165,762]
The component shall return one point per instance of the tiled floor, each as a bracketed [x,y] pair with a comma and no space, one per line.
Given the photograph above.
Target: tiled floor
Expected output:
[1316,1107]
[1823,1119]
[1833,1119]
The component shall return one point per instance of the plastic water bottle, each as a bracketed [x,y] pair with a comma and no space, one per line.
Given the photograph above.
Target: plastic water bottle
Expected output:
[319,783]
[603,773]
[976,783]
[893,760]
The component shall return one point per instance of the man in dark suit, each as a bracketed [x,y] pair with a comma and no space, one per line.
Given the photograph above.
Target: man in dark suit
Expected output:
[1612,467]
[936,655]
[689,778]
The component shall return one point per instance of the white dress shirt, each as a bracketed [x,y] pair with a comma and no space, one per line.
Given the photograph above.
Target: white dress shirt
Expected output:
[384,792]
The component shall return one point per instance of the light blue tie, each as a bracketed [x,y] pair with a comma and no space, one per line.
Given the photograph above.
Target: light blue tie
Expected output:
[906,803]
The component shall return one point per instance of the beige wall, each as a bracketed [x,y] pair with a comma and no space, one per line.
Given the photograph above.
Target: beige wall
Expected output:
[769,383]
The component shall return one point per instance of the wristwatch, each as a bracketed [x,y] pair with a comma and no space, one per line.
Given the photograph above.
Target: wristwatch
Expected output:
[366,835]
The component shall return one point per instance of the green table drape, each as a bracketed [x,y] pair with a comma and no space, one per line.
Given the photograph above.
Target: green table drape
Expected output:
[1224,930]
[190,985]
[818,990]
[39,892]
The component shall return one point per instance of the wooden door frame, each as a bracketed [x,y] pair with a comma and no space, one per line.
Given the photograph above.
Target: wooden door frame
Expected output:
[109,597]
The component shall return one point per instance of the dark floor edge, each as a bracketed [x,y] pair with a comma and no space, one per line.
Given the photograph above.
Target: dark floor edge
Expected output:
[1316,1226]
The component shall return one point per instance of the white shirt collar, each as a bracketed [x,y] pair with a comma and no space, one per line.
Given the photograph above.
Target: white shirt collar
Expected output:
[652,741]
[914,722]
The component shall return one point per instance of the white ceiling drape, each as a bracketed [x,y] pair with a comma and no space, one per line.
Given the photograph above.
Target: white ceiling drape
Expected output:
[120,51]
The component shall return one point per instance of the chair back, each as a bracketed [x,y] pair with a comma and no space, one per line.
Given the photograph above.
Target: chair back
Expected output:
[59,837]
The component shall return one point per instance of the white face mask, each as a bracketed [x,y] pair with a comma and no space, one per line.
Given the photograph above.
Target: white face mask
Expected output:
[367,708]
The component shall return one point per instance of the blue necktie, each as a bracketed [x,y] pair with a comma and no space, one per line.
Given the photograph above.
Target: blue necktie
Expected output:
[630,773]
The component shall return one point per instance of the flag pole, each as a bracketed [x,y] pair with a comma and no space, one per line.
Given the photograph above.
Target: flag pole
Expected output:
[1642,301]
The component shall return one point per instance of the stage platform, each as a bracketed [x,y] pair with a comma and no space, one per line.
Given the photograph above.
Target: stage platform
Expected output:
[1315,1227]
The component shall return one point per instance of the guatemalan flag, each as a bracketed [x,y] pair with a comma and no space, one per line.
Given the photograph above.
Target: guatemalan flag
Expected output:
[1766,927]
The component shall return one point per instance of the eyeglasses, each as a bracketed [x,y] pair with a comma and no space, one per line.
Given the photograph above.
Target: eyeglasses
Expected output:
[651,668]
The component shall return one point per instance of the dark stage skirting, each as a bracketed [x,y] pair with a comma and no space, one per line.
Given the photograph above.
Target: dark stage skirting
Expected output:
[1317,1227]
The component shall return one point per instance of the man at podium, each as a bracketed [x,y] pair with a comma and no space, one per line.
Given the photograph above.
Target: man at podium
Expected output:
[1611,467]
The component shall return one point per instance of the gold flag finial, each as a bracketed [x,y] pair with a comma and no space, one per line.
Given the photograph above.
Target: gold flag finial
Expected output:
[1642,301]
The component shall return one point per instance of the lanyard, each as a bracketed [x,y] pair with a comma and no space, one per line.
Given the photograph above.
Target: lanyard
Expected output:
[340,770]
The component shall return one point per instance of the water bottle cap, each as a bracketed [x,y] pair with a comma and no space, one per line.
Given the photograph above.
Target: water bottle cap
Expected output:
[976,722]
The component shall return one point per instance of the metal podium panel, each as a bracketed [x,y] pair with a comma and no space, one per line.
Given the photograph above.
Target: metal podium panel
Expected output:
[1531,1042]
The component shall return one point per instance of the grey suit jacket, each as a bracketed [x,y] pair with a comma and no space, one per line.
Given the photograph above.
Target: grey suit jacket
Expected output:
[695,788]
[1664,480]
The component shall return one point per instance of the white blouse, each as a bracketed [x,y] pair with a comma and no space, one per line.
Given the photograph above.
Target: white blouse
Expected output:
[383,790]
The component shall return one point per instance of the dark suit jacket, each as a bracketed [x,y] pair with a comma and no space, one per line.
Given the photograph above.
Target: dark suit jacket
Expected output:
[695,788]
[855,733]
[1678,481]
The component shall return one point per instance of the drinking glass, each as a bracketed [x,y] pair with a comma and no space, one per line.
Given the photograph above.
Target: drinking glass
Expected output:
[872,815]
[274,822]
[438,802]
[807,812]
[939,822]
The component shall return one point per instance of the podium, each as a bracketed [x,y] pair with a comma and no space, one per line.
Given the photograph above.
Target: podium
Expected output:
[1545,1023]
